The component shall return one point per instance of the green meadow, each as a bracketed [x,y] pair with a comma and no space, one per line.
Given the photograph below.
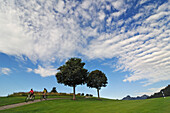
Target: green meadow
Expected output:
[93,105]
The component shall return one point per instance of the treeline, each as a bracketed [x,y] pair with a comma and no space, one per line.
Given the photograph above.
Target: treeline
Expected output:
[53,92]
[165,92]
[39,93]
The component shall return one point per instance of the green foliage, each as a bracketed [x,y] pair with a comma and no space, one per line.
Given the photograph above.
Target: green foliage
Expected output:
[72,73]
[96,79]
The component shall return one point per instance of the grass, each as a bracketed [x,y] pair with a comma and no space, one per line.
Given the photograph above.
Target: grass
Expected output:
[11,100]
[92,105]
[19,99]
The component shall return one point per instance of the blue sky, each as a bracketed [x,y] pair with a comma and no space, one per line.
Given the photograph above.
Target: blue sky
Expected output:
[129,40]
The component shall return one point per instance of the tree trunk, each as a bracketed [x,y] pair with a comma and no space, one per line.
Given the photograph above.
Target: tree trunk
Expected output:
[98,93]
[74,91]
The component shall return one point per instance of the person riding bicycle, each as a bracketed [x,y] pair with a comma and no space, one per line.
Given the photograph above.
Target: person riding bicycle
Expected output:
[44,93]
[30,96]
[31,92]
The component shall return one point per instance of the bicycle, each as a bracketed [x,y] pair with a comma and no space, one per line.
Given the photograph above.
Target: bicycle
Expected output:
[30,98]
[43,97]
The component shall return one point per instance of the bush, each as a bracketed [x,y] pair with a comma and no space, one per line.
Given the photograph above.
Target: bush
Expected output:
[78,94]
[91,95]
[82,94]
[87,94]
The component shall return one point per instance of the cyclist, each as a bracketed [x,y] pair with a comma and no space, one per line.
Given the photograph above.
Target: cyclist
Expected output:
[44,93]
[31,92]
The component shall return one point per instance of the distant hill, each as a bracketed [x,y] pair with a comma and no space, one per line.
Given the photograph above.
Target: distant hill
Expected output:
[135,98]
[166,92]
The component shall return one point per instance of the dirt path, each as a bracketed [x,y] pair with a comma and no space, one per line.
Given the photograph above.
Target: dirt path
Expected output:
[25,103]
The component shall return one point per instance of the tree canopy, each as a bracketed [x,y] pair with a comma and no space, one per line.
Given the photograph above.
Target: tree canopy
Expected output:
[96,79]
[72,73]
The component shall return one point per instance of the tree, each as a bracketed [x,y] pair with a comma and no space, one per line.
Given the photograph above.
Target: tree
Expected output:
[96,79]
[54,90]
[72,74]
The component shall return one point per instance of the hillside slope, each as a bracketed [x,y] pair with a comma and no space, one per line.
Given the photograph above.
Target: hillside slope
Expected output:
[166,92]
[92,105]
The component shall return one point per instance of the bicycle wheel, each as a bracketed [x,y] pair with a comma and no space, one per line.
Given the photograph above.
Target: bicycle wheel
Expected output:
[45,97]
[26,99]
[33,98]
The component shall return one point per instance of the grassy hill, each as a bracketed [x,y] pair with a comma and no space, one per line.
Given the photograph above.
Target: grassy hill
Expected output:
[92,105]
[166,92]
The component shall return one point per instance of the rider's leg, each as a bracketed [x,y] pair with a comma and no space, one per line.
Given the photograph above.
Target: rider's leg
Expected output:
[31,96]
[43,95]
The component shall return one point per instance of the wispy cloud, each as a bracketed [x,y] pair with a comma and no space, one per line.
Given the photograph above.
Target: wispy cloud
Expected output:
[52,30]
[5,71]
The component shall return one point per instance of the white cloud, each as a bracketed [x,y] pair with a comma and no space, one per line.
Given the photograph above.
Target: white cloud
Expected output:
[142,2]
[60,5]
[12,39]
[86,4]
[47,71]
[101,15]
[118,4]
[30,32]
[163,7]
[138,15]
[48,31]
[5,71]
[144,54]
[117,14]
[157,16]
[29,70]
